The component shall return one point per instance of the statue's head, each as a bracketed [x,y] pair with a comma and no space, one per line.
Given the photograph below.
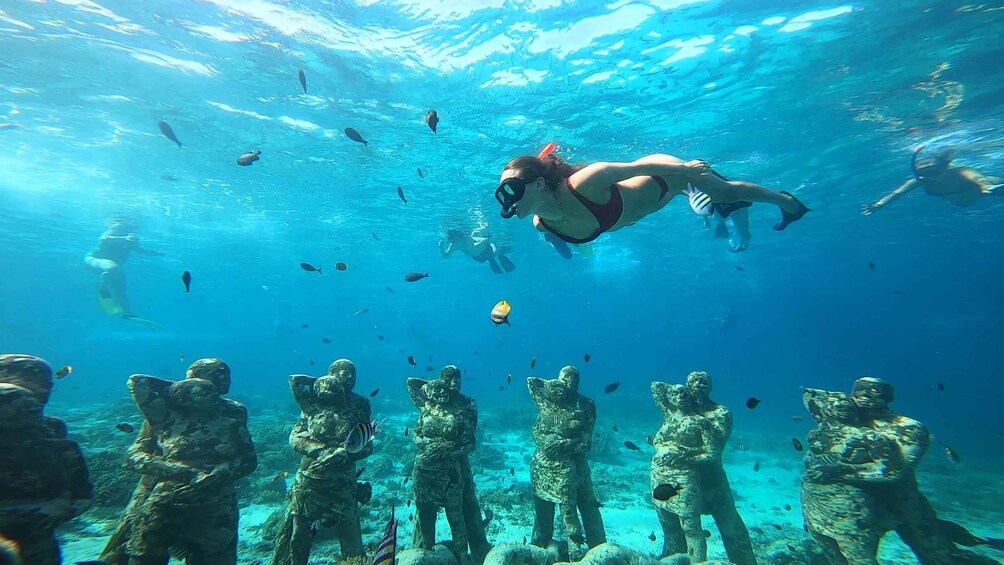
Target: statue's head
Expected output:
[329,390]
[556,392]
[451,376]
[197,395]
[437,391]
[872,395]
[569,376]
[28,372]
[840,408]
[345,371]
[213,370]
[699,385]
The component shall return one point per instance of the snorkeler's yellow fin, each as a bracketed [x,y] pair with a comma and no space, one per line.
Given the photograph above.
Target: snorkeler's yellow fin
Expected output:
[108,302]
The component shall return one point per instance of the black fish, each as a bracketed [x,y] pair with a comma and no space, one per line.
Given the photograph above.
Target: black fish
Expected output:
[380,337]
[512,471]
[777,526]
[740,269]
[304,326]
[125,428]
[310,268]
[664,492]
[420,175]
[611,387]
[429,369]
[488,517]
[400,194]
[360,472]
[312,362]
[650,440]
[354,136]
[341,266]
[303,80]
[247,159]
[64,372]
[374,393]
[787,508]
[325,340]
[941,387]
[533,362]
[186,278]
[406,431]
[411,361]
[871,265]
[752,402]
[389,289]
[577,538]
[614,426]
[586,357]
[707,533]
[796,444]
[412,277]
[631,446]
[168,132]
[756,466]
[652,536]
[501,388]
[951,454]
[433,120]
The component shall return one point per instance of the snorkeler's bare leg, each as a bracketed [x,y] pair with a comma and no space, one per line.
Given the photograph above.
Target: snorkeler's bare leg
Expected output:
[114,281]
[721,190]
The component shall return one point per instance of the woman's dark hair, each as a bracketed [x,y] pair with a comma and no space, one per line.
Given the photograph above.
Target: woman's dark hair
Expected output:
[552,168]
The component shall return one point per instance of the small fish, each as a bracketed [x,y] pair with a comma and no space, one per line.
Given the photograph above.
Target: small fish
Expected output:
[406,431]
[796,444]
[312,362]
[631,446]
[380,337]
[512,471]
[354,136]
[941,387]
[740,446]
[413,277]
[405,481]
[501,388]
[303,80]
[361,311]
[282,475]
[182,358]
[362,434]
[489,514]
[433,120]
[186,279]
[740,269]
[707,533]
[420,174]
[664,492]
[787,507]
[792,548]
[310,268]
[611,387]
[341,267]
[533,362]
[951,454]
[429,368]
[375,392]
[325,340]
[797,418]
[389,289]
[652,536]
[752,402]
[64,372]
[500,313]
[247,159]
[400,194]
[304,326]
[756,466]
[171,178]
[777,526]
[586,357]
[359,473]
[614,426]
[508,378]
[871,265]
[168,132]
[411,361]
[577,538]
[650,440]
[375,236]
[700,202]
[524,540]
[125,428]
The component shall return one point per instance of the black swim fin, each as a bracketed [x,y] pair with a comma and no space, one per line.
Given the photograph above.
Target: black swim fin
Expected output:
[495,267]
[726,208]
[789,217]
[508,265]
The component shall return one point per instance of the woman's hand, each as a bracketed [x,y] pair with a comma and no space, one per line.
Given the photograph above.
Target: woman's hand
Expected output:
[696,168]
[869,209]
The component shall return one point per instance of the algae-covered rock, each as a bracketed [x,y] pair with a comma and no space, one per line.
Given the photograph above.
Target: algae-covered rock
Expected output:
[612,554]
[439,555]
[512,554]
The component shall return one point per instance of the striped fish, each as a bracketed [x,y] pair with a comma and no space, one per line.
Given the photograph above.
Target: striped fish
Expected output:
[700,202]
[388,544]
[361,434]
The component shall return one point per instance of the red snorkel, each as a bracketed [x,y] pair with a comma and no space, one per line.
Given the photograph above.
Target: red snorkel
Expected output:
[547,150]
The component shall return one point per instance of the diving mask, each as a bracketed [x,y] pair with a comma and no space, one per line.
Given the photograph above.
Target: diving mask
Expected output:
[509,193]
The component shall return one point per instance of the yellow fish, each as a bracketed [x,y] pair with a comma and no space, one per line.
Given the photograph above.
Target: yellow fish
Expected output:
[500,313]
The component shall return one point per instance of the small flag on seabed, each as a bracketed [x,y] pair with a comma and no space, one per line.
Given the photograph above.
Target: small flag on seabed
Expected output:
[388,544]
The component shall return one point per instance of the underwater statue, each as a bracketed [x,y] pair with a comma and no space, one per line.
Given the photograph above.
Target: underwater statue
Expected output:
[688,459]
[43,476]
[146,458]
[445,437]
[325,492]
[203,447]
[559,471]
[860,482]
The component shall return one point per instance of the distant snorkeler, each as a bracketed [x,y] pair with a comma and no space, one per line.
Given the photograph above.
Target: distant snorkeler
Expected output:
[962,186]
[735,228]
[579,203]
[111,253]
[477,245]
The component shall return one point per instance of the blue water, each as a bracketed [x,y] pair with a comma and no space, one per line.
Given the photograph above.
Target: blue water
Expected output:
[825,99]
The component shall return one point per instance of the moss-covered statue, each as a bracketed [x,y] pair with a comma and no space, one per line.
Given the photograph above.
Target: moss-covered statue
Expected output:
[445,436]
[688,461]
[325,492]
[43,475]
[559,471]
[859,481]
[190,508]
[145,457]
